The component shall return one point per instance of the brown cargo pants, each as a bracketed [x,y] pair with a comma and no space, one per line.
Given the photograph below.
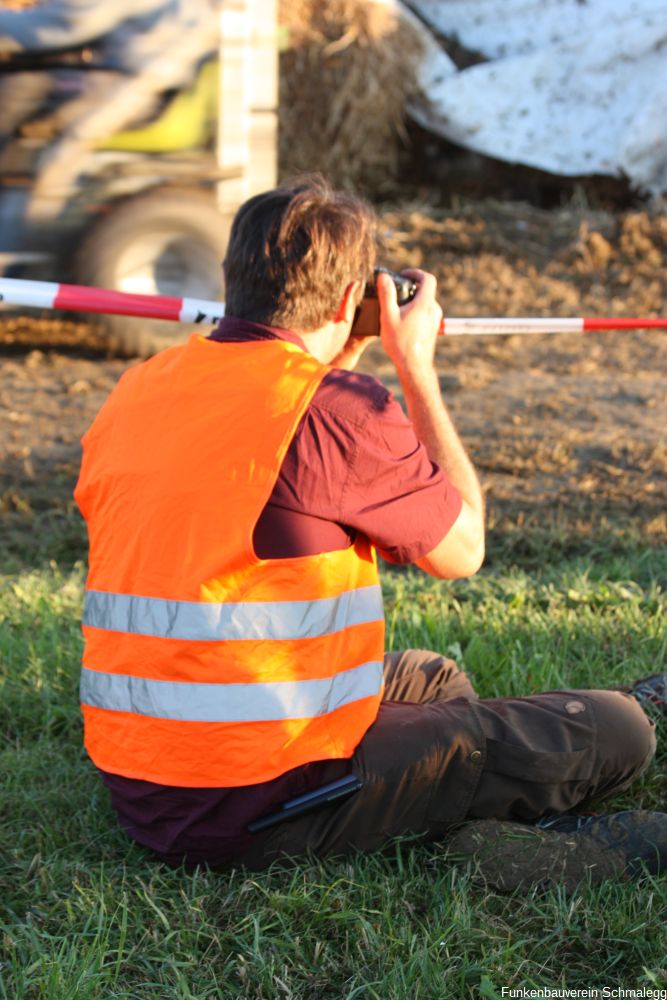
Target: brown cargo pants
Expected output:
[438,755]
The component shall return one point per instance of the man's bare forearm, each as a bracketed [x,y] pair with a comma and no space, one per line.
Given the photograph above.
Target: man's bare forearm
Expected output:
[409,337]
[434,428]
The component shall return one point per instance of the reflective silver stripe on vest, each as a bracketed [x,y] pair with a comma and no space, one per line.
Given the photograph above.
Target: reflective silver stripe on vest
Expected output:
[199,620]
[190,702]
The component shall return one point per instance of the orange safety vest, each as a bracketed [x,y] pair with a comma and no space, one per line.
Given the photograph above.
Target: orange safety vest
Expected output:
[205,666]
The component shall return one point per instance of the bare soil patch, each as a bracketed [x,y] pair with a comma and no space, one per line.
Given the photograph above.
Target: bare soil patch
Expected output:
[568,431]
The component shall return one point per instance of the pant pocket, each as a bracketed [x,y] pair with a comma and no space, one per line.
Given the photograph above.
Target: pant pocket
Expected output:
[541,767]
[540,756]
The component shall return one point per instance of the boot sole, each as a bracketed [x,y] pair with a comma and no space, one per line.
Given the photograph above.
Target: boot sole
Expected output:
[509,856]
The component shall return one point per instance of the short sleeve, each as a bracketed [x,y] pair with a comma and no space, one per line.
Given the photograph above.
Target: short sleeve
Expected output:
[356,460]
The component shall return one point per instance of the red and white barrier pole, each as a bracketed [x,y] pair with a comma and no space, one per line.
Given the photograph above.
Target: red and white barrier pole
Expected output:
[82,298]
[555,324]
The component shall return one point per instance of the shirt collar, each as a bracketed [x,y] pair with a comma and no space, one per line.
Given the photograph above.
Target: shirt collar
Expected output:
[233,329]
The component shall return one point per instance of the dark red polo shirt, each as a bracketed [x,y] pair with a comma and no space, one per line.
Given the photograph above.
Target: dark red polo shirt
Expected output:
[354,465]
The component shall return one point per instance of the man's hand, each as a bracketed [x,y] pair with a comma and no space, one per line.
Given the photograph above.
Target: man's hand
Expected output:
[409,333]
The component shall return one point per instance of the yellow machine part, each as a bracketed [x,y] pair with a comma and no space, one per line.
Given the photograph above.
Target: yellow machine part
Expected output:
[187,122]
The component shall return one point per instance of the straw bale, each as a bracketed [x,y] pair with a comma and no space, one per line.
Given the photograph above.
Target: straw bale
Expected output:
[346,73]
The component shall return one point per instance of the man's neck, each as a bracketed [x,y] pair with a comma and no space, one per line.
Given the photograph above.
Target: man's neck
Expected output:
[326,342]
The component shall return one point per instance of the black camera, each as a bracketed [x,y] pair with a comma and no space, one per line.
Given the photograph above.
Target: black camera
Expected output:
[367,318]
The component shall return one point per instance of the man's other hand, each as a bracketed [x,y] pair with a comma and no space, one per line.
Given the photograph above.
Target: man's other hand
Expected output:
[351,353]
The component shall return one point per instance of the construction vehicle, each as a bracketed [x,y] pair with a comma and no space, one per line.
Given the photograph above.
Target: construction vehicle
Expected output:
[151,207]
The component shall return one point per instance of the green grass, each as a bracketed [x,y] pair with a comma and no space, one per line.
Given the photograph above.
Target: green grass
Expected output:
[84,914]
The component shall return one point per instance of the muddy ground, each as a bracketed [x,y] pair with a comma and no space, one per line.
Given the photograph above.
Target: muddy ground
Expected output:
[567,431]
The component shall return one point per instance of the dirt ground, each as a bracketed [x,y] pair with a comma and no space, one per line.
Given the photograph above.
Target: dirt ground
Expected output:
[563,428]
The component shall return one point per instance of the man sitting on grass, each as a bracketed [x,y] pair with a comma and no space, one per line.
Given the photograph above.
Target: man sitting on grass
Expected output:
[236,490]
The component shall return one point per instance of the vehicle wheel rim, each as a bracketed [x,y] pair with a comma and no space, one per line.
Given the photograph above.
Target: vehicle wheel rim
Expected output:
[169,264]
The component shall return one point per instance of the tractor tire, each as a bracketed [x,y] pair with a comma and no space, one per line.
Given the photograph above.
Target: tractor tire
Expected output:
[167,242]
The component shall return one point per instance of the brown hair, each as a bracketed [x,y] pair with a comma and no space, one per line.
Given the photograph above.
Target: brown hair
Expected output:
[294,250]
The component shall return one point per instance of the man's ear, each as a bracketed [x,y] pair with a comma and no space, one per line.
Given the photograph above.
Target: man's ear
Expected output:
[349,302]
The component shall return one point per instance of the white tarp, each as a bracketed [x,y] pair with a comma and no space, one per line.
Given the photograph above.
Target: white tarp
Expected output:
[574,87]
